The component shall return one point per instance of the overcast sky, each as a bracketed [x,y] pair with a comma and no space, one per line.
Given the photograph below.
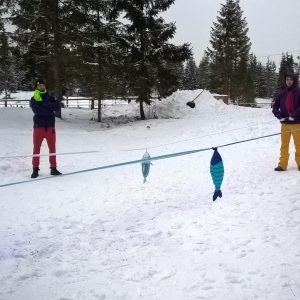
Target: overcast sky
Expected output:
[274,25]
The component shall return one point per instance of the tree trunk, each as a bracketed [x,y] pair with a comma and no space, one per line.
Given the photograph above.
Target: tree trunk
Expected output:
[5,97]
[99,105]
[142,109]
[100,77]
[56,58]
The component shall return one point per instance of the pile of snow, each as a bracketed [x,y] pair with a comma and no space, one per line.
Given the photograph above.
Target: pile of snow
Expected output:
[175,106]
[172,107]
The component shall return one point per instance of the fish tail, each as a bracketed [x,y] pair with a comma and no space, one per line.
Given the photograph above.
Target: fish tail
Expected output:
[217,194]
[144,180]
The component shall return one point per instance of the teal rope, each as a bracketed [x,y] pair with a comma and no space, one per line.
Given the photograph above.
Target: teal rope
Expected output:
[143,160]
[257,138]
[127,150]
[111,166]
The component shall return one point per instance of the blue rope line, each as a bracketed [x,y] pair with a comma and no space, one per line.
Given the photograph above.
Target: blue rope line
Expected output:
[128,150]
[50,154]
[111,166]
[196,138]
[257,138]
[143,160]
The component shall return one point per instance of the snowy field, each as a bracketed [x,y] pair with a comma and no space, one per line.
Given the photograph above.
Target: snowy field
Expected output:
[105,235]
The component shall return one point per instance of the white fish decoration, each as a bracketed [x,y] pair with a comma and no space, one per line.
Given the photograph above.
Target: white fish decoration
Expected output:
[146,165]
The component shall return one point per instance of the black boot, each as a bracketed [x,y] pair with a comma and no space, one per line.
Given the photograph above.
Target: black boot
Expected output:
[54,171]
[35,173]
[279,168]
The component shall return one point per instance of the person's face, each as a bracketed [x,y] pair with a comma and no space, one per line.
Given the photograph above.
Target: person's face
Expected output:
[289,80]
[41,87]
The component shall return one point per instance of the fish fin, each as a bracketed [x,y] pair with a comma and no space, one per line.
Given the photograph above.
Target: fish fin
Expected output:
[217,194]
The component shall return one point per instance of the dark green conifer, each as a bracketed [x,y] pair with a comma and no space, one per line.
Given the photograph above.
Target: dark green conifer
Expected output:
[229,50]
[146,40]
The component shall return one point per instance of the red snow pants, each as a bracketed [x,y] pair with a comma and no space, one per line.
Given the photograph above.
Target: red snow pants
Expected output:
[39,134]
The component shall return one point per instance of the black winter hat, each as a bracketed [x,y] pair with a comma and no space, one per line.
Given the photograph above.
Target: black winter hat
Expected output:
[39,81]
[295,80]
[292,75]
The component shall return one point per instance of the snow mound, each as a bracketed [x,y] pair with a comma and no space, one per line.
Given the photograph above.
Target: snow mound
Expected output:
[172,107]
[175,106]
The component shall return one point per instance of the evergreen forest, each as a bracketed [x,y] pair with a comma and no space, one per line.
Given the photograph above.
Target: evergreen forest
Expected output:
[116,48]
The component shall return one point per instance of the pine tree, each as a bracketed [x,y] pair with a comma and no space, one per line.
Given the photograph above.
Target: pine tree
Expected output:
[247,91]
[297,65]
[10,75]
[204,72]
[95,50]
[271,78]
[252,69]
[35,39]
[230,50]
[61,38]
[168,78]
[147,38]
[261,80]
[191,75]
[4,62]
[39,34]
[286,65]
[4,52]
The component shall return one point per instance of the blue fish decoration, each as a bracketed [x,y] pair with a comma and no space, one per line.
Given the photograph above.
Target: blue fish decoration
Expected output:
[146,166]
[217,173]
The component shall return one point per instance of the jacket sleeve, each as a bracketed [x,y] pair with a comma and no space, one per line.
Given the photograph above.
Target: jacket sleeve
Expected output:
[53,104]
[276,107]
[39,109]
[297,110]
[297,114]
[46,109]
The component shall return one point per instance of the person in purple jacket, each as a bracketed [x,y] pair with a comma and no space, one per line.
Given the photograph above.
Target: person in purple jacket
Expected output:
[286,108]
[43,106]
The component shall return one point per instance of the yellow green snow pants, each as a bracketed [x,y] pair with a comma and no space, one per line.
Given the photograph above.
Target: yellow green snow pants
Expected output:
[285,142]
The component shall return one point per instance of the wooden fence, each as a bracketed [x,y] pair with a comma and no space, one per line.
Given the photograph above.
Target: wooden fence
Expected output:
[93,103]
[70,103]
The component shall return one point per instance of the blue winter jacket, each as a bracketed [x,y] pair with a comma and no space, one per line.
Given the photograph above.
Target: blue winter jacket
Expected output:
[44,110]
[279,106]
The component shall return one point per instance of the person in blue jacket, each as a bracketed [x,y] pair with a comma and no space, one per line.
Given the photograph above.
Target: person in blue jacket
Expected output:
[43,106]
[286,108]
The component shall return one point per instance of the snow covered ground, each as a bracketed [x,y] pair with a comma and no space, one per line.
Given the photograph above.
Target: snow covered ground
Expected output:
[106,235]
